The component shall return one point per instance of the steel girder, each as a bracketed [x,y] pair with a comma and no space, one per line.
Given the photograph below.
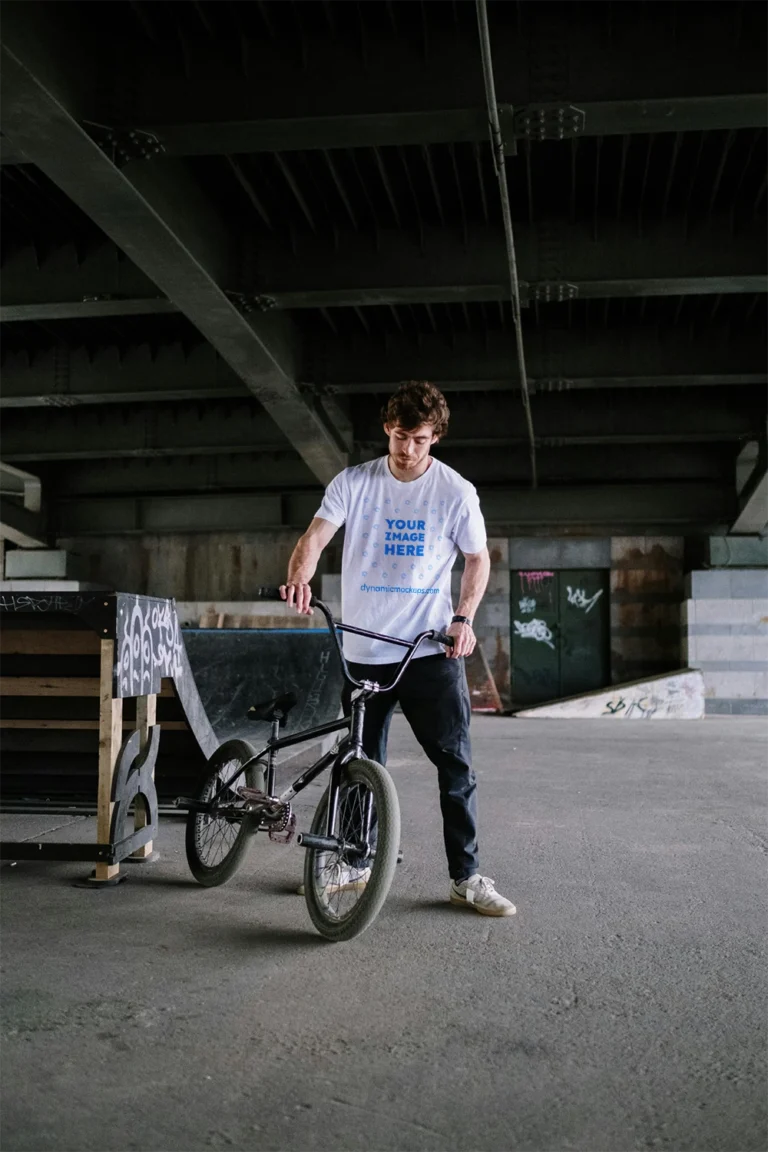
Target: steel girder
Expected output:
[163,223]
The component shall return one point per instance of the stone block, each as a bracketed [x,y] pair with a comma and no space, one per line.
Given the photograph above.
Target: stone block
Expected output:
[498,583]
[51,586]
[732,685]
[536,554]
[726,648]
[498,550]
[712,585]
[44,564]
[724,612]
[689,652]
[494,615]
[749,583]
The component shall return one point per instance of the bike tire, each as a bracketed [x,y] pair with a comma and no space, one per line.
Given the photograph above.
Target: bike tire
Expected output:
[200,829]
[376,778]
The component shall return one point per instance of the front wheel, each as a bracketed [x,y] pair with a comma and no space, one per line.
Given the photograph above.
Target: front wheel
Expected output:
[216,843]
[344,893]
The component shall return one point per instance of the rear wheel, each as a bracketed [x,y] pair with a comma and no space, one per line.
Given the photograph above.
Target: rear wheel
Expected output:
[217,844]
[345,892]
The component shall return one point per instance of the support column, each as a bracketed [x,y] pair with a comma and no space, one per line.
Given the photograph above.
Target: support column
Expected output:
[146,717]
[110,739]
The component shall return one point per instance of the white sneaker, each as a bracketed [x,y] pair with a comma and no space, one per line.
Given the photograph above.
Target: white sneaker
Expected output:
[343,879]
[479,893]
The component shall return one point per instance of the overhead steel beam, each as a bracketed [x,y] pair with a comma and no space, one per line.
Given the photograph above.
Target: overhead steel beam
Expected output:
[9,153]
[71,285]
[64,377]
[158,514]
[198,102]
[460,125]
[635,508]
[157,430]
[575,384]
[556,263]
[752,518]
[163,223]
[268,471]
[214,427]
[86,309]
[21,526]
[685,506]
[557,358]
[21,486]
[592,418]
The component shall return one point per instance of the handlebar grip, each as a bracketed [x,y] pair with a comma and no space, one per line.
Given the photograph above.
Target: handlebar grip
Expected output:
[272,592]
[268,592]
[441,638]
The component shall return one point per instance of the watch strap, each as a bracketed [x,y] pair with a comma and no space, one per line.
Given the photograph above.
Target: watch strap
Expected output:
[462,620]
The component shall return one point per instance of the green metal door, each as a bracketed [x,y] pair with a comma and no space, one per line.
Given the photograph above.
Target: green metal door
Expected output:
[560,634]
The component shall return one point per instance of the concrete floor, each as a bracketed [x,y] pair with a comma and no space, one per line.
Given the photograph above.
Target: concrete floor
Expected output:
[623,1007]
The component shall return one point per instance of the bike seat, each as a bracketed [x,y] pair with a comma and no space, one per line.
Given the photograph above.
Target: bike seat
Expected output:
[275,709]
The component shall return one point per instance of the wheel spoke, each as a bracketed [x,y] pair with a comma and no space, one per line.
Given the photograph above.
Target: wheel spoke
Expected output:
[215,835]
[330,868]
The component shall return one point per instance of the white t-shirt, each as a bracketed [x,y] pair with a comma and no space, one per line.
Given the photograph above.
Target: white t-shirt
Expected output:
[400,544]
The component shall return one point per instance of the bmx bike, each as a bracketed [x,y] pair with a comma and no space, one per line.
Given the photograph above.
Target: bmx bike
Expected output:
[353,843]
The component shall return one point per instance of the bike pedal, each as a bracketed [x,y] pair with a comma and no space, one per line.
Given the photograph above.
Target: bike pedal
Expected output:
[286,834]
[246,793]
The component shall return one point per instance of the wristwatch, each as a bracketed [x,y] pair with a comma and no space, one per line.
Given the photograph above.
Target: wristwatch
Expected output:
[461,620]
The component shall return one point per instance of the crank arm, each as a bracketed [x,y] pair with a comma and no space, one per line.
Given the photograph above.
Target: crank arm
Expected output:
[330,844]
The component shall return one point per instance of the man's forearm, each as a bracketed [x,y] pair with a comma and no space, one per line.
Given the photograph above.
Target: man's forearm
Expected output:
[303,562]
[474,581]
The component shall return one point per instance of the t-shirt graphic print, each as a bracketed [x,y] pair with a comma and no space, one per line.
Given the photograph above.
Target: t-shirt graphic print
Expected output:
[400,544]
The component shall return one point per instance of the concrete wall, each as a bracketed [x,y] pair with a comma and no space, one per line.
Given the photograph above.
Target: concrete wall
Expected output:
[492,620]
[725,634]
[214,568]
[219,566]
[646,593]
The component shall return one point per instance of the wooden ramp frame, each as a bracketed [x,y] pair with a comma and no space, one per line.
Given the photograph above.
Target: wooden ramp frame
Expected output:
[141,655]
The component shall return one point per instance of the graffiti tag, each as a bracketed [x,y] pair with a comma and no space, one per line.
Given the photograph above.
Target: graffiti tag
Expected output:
[644,707]
[578,597]
[534,630]
[534,581]
[527,605]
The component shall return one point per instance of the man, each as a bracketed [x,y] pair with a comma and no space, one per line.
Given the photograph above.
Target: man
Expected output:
[406,515]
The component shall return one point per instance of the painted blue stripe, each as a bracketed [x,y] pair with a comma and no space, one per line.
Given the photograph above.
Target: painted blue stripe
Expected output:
[261,631]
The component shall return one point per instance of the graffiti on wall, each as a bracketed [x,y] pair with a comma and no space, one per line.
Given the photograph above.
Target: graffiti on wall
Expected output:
[675,699]
[578,597]
[534,630]
[534,581]
[527,605]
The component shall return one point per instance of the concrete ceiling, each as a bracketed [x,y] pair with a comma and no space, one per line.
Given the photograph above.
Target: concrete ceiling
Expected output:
[229,230]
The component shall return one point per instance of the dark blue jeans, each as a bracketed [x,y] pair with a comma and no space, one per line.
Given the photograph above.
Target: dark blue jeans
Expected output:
[434,698]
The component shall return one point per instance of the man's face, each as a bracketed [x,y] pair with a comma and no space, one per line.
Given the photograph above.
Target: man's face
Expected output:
[410,447]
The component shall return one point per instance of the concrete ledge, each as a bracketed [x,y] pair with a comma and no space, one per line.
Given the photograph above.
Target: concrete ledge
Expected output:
[736,707]
[727,584]
[672,696]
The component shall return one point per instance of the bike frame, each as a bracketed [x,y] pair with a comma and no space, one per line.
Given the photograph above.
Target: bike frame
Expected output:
[351,747]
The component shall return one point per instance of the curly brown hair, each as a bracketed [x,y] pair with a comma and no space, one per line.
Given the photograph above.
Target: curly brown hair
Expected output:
[417,402]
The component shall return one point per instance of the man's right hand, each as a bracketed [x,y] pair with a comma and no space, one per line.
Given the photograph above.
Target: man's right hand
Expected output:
[298,596]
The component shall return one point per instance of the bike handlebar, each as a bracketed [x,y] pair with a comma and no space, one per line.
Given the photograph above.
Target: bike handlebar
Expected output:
[272,592]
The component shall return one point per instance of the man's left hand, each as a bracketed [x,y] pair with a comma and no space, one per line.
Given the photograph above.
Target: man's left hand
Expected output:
[464,640]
